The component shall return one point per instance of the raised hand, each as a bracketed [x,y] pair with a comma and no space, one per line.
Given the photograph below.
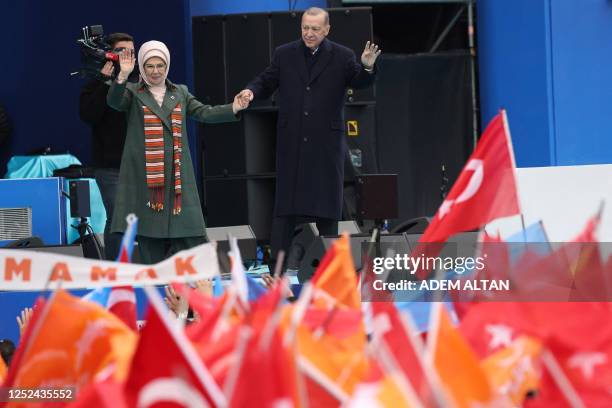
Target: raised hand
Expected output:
[107,69]
[204,286]
[370,53]
[177,303]
[24,319]
[126,62]
[269,281]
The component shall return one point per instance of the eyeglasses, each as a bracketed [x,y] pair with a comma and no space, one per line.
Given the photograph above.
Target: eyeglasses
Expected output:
[159,67]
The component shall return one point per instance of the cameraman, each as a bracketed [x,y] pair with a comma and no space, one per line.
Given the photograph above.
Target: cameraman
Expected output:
[108,130]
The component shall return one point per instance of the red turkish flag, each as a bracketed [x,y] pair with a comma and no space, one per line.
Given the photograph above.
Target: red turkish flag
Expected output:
[485,189]
[404,347]
[122,303]
[166,370]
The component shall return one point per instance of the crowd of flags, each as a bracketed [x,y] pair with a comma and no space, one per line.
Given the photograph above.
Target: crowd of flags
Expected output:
[249,346]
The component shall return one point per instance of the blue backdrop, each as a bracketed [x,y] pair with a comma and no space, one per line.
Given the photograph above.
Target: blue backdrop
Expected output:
[549,62]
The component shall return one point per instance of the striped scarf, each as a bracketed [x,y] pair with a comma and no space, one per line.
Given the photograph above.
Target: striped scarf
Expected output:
[154,157]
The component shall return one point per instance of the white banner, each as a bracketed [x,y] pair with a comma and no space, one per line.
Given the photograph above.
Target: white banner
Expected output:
[30,270]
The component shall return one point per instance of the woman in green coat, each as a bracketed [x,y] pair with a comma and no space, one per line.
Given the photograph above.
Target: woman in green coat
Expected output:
[156,179]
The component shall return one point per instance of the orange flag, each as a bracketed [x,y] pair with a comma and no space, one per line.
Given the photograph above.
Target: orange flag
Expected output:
[514,370]
[3,370]
[331,356]
[381,390]
[72,342]
[458,367]
[336,274]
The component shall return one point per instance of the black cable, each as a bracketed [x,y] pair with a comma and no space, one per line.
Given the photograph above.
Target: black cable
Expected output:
[96,242]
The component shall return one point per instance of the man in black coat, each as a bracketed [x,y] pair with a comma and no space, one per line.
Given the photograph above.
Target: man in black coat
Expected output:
[108,128]
[311,75]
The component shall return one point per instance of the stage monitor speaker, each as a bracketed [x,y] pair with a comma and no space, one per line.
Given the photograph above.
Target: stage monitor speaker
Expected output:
[71,250]
[247,242]
[79,198]
[315,252]
[28,242]
[305,234]
[413,226]
[460,245]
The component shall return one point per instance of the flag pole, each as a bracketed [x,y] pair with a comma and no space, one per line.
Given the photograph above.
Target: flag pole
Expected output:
[511,151]
[564,384]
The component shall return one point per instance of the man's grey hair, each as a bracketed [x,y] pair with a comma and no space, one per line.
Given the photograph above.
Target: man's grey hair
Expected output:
[315,11]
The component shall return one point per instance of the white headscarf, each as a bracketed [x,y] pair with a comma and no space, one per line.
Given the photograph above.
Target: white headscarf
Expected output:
[154,49]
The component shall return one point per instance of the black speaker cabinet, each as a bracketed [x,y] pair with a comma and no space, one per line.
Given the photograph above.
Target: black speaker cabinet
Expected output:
[316,251]
[285,27]
[71,250]
[240,200]
[79,198]
[239,148]
[247,50]
[209,59]
[352,27]
[463,244]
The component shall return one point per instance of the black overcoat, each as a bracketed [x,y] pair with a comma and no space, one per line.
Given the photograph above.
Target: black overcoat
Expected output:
[311,147]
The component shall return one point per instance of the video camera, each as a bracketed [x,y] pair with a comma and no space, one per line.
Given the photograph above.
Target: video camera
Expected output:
[95,52]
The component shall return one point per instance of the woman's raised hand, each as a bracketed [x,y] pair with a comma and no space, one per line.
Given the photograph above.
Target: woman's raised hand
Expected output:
[126,62]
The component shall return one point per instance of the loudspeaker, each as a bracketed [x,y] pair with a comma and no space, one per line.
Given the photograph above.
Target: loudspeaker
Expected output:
[26,243]
[315,252]
[413,226]
[305,234]
[247,242]
[352,27]
[71,250]
[209,59]
[247,50]
[460,245]
[79,198]
[285,27]
[251,143]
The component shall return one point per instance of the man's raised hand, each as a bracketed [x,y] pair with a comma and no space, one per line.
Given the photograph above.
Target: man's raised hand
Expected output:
[370,53]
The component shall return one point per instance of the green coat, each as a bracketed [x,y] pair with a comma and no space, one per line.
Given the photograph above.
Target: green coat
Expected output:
[132,192]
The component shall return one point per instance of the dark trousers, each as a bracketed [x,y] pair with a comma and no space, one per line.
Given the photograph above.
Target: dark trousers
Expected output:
[283,229]
[154,250]
[107,180]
